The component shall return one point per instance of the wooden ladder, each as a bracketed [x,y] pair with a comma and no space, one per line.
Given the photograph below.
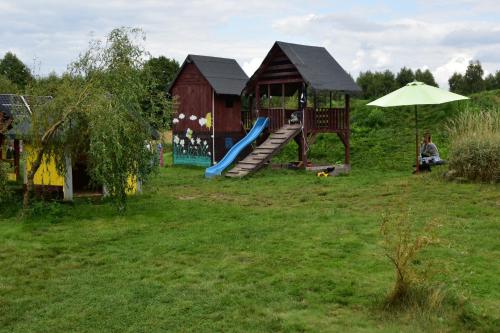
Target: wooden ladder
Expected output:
[267,150]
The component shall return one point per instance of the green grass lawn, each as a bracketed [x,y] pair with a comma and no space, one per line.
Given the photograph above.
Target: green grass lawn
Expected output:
[282,251]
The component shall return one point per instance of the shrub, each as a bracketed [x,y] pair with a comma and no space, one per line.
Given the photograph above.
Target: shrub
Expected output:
[4,190]
[475,145]
[375,118]
[403,243]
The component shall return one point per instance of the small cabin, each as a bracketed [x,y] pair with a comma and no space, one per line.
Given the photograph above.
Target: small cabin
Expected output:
[306,83]
[15,124]
[207,109]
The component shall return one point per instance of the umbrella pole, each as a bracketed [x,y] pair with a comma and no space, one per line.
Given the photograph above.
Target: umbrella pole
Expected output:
[417,150]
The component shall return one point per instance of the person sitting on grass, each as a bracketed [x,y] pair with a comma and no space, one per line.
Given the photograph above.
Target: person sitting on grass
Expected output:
[429,153]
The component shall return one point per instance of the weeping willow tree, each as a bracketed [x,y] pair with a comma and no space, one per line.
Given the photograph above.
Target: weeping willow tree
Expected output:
[103,107]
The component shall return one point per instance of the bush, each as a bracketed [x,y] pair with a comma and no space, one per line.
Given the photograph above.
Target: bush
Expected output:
[475,145]
[403,243]
[4,190]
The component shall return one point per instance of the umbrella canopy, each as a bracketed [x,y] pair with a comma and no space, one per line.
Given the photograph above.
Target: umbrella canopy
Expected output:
[417,93]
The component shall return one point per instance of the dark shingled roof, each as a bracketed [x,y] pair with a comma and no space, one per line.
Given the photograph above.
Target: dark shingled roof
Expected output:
[223,74]
[318,68]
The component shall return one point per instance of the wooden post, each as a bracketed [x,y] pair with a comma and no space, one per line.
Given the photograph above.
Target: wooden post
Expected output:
[315,100]
[347,146]
[17,152]
[257,100]
[68,179]
[417,150]
[303,150]
[282,104]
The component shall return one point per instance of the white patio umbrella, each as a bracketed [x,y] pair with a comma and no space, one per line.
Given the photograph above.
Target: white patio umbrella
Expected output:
[416,93]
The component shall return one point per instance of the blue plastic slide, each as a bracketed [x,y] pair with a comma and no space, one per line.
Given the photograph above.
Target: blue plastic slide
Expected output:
[216,170]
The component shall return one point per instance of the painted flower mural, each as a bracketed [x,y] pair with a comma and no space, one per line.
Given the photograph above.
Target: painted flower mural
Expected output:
[190,147]
[191,150]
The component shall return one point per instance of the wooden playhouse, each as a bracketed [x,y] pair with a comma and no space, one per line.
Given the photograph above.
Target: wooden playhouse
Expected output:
[208,109]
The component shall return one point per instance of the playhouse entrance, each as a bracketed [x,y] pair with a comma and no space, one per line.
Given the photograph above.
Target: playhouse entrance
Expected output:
[82,183]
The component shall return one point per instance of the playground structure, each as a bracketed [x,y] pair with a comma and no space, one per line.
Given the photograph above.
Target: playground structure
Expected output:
[293,70]
[278,94]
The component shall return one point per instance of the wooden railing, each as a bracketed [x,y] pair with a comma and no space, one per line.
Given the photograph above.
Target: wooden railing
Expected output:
[326,120]
[277,117]
[319,120]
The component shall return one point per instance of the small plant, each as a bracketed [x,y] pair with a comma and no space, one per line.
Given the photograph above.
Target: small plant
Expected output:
[475,145]
[4,190]
[403,243]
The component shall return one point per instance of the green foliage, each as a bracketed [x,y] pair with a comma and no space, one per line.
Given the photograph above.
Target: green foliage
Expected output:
[377,84]
[403,243]
[4,189]
[456,83]
[475,145]
[472,81]
[405,76]
[375,118]
[106,108]
[492,82]
[425,77]
[7,87]
[473,78]
[15,70]
[163,70]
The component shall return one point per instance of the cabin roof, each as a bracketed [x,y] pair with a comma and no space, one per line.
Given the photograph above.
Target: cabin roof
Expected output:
[223,74]
[316,66]
[18,107]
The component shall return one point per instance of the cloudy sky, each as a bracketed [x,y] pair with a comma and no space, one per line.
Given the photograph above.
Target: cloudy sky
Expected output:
[442,36]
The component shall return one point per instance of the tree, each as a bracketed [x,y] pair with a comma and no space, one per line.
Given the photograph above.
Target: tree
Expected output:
[15,70]
[7,87]
[456,83]
[158,73]
[405,76]
[492,82]
[97,110]
[376,84]
[163,70]
[425,77]
[473,78]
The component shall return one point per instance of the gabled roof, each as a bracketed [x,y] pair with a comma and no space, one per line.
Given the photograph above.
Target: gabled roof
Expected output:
[317,67]
[17,107]
[223,74]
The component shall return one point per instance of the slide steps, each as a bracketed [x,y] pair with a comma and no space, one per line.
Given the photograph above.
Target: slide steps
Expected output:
[265,152]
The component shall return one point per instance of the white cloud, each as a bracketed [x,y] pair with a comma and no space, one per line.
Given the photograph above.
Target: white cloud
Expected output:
[456,64]
[251,66]
[361,36]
